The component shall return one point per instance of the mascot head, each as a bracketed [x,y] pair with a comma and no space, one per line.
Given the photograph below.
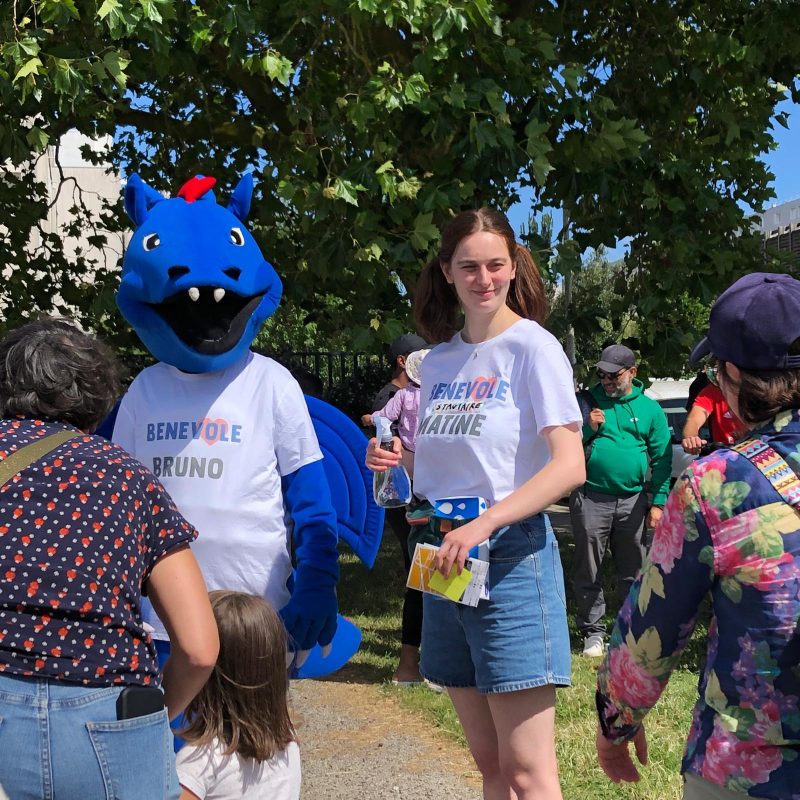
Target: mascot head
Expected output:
[195,285]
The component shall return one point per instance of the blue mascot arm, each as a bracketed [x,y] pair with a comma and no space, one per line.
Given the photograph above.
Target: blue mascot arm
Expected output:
[310,614]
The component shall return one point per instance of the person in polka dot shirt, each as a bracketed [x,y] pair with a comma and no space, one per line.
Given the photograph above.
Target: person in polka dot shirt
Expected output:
[85,532]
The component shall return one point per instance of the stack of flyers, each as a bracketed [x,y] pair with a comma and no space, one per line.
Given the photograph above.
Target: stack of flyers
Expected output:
[467,588]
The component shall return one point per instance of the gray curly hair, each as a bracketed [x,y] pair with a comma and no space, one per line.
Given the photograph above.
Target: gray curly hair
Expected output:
[51,370]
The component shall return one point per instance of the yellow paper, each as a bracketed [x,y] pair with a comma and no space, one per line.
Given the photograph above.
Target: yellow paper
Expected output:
[467,588]
[421,568]
[452,587]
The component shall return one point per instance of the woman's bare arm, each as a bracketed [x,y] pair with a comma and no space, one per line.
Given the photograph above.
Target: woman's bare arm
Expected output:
[565,471]
[178,593]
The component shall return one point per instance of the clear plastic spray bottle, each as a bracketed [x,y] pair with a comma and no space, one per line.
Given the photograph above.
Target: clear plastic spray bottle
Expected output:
[393,487]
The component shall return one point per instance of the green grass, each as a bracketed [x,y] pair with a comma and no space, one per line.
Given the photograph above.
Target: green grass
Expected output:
[373,600]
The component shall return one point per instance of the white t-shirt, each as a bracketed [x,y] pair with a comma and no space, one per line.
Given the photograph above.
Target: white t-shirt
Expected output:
[220,443]
[214,776]
[482,410]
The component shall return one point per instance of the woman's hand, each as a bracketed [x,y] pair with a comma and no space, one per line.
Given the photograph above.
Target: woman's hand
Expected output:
[379,460]
[457,544]
[615,759]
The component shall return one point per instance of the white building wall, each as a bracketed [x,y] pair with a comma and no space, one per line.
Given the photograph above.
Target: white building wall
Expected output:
[79,181]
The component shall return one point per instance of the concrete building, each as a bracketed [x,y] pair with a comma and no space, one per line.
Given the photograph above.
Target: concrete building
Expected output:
[780,226]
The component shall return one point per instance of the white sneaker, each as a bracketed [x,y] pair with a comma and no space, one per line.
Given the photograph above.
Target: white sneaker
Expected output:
[593,646]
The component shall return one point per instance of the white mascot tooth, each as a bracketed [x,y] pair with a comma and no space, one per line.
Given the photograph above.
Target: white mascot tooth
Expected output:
[219,294]
[194,294]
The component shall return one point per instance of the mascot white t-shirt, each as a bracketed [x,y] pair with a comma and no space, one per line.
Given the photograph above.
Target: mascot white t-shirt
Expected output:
[220,443]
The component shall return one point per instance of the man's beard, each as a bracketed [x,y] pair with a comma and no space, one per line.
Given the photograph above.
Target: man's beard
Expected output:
[620,389]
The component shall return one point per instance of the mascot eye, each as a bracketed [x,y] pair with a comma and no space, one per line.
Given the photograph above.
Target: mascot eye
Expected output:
[237,237]
[151,241]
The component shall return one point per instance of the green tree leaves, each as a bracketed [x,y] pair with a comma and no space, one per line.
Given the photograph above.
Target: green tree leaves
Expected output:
[370,123]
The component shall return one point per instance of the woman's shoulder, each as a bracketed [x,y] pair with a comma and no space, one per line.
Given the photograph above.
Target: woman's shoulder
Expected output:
[439,357]
[112,457]
[101,459]
[532,335]
[109,467]
[534,349]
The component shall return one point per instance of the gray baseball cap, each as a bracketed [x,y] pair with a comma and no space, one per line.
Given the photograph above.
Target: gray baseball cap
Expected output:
[405,344]
[616,357]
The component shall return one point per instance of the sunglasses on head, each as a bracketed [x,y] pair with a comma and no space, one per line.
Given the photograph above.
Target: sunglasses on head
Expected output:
[611,376]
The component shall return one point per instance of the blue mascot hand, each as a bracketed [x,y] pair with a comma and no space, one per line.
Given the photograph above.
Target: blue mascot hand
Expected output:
[310,614]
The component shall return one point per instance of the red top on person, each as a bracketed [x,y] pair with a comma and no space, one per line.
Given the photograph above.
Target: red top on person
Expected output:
[726,427]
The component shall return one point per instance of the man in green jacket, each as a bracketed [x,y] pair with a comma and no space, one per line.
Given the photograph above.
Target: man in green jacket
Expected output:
[624,435]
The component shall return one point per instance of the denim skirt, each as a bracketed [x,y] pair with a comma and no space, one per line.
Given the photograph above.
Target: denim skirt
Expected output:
[62,740]
[518,638]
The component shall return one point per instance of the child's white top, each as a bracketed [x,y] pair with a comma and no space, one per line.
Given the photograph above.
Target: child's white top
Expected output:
[214,776]
[482,411]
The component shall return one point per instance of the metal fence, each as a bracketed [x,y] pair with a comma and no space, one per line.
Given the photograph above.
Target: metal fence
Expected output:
[326,370]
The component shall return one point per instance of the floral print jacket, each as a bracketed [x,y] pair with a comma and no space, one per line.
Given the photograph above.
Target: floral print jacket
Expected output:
[727,533]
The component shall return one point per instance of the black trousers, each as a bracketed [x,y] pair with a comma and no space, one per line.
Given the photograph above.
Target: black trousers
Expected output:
[411,632]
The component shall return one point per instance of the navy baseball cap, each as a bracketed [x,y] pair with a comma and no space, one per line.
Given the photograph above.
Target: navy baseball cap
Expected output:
[405,344]
[616,357]
[754,323]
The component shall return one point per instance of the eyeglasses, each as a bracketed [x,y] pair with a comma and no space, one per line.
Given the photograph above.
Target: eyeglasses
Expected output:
[712,372]
[609,376]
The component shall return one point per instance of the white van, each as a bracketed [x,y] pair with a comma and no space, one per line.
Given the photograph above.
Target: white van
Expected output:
[672,395]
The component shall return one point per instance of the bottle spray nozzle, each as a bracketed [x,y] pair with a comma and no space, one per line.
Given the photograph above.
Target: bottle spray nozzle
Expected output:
[383,429]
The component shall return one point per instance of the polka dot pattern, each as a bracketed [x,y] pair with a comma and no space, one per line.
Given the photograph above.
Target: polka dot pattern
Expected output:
[80,531]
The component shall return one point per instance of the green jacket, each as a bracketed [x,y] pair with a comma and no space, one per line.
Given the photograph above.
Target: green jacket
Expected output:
[634,436]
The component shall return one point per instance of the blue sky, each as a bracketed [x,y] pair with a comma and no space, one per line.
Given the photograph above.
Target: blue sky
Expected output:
[784,162]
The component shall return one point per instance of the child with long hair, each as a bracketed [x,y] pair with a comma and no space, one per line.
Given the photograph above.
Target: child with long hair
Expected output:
[241,742]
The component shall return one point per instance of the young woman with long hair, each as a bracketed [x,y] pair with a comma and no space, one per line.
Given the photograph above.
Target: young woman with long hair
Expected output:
[498,421]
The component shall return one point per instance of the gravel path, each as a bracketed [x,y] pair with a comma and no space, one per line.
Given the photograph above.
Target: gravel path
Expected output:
[359,744]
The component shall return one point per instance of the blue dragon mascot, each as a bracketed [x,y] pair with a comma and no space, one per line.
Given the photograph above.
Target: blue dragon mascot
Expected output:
[227,431]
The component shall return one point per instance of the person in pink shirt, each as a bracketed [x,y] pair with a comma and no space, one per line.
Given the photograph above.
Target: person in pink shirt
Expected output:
[403,408]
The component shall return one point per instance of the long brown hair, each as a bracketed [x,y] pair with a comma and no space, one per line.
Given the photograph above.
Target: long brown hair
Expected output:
[436,306]
[244,703]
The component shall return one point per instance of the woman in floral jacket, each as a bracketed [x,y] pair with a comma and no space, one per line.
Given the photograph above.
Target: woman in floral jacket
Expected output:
[731,530]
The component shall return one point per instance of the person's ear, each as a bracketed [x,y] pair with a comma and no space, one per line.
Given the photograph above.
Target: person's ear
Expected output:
[730,371]
[634,370]
[446,270]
